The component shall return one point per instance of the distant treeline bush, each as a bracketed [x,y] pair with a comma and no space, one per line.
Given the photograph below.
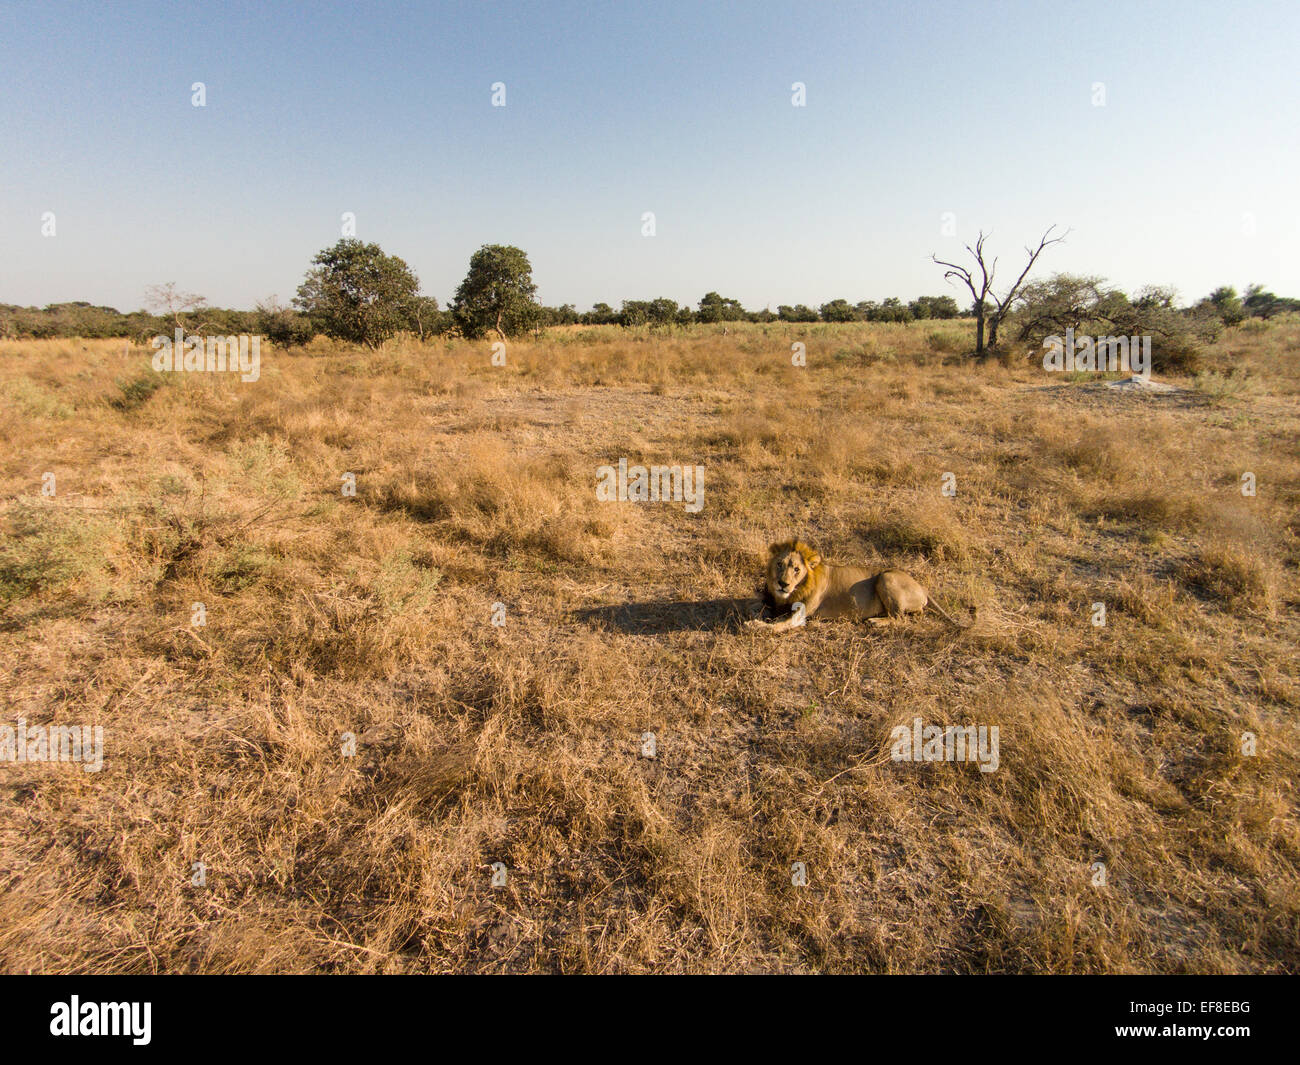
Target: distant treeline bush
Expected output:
[285,325]
[356,293]
[280,325]
[715,308]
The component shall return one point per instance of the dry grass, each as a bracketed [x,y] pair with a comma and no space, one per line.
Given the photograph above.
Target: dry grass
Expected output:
[520,744]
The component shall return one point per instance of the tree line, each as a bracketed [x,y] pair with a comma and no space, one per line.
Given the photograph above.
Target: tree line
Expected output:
[716,308]
[358,293]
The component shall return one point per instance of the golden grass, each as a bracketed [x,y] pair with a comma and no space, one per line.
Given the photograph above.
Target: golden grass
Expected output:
[329,615]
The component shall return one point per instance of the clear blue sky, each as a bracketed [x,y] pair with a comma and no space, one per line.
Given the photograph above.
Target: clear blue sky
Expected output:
[614,109]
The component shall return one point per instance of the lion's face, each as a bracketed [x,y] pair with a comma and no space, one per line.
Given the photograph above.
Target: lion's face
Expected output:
[785,572]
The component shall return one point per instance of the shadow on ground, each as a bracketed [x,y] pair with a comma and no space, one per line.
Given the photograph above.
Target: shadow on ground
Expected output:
[672,615]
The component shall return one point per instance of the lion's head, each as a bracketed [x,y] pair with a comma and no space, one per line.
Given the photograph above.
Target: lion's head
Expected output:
[790,568]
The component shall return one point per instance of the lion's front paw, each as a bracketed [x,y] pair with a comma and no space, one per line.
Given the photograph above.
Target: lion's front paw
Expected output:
[757,623]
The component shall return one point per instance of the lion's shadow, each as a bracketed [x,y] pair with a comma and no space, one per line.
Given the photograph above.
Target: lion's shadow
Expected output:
[673,615]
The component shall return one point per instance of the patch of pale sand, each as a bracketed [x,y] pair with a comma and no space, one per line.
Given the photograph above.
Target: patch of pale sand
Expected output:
[1144,385]
[1106,394]
[583,419]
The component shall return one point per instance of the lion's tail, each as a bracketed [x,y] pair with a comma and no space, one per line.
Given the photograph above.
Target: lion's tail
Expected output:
[949,618]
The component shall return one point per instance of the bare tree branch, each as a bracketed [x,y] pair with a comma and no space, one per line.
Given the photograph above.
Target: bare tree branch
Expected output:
[1033,254]
[983,293]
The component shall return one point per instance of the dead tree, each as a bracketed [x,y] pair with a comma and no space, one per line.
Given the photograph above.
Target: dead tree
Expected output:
[981,288]
[167,302]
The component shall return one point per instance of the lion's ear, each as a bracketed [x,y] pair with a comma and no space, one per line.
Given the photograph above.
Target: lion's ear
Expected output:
[810,556]
[777,548]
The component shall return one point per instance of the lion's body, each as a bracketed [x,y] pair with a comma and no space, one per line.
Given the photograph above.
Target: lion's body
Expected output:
[797,576]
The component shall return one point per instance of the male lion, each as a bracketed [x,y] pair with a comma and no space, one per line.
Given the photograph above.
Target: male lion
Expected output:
[797,578]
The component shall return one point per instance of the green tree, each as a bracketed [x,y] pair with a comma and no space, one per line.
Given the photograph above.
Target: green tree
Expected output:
[1088,306]
[928,307]
[944,307]
[662,311]
[1228,304]
[634,312]
[837,311]
[426,318]
[564,314]
[894,310]
[1156,297]
[1224,302]
[357,293]
[600,314]
[1066,301]
[282,326]
[497,293]
[715,308]
[798,313]
[1259,302]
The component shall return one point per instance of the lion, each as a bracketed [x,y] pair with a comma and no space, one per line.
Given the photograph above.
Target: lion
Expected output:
[797,578]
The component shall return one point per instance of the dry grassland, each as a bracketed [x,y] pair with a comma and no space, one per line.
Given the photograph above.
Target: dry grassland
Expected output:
[521,744]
